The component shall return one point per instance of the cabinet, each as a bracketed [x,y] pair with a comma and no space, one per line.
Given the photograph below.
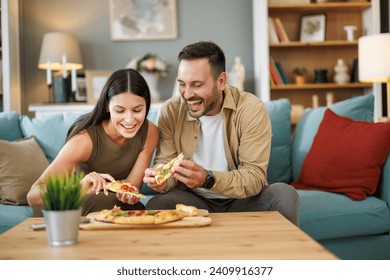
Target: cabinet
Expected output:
[311,55]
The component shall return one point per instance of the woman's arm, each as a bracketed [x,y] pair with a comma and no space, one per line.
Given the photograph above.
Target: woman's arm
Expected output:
[76,150]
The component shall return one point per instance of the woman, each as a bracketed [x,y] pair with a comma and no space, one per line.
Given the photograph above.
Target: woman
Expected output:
[113,142]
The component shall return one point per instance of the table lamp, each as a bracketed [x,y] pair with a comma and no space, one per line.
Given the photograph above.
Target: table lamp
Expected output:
[374,61]
[60,52]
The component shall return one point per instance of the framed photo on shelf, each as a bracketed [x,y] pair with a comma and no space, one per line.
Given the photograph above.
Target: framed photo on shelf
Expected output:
[95,81]
[143,20]
[312,28]
[81,90]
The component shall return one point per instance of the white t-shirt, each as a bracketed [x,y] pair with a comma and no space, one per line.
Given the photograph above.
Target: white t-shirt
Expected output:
[210,153]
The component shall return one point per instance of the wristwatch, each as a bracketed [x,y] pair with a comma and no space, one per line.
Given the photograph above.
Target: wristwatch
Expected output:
[210,180]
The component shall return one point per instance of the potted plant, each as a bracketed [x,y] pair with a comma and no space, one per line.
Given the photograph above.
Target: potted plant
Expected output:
[300,73]
[62,195]
[151,67]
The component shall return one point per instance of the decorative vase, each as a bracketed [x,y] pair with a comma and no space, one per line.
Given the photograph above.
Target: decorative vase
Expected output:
[152,81]
[62,227]
[341,75]
[321,76]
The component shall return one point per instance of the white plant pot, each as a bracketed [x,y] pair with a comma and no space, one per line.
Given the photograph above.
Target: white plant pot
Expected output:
[62,227]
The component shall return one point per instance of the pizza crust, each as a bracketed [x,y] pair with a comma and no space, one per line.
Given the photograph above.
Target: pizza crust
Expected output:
[189,211]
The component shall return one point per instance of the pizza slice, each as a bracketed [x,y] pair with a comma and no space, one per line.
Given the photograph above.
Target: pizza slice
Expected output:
[164,171]
[124,187]
[189,211]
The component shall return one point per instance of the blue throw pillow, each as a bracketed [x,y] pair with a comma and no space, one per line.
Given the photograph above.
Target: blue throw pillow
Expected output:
[9,126]
[50,132]
[357,108]
[279,168]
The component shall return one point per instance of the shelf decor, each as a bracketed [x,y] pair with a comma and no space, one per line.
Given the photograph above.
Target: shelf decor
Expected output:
[312,28]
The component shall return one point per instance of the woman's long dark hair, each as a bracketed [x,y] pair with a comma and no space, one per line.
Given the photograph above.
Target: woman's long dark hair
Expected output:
[121,81]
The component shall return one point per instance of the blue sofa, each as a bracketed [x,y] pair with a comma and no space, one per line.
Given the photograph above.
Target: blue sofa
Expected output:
[350,229]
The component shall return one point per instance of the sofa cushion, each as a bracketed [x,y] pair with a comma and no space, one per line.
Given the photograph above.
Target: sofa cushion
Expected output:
[357,108]
[11,215]
[9,126]
[346,157]
[279,168]
[325,215]
[50,131]
[22,162]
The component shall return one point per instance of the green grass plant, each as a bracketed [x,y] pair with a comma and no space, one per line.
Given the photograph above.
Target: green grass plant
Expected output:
[63,191]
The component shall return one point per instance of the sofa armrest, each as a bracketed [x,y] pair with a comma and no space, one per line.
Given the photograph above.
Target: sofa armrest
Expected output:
[384,184]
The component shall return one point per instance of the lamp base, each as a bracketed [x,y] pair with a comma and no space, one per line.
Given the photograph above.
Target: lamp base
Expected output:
[61,89]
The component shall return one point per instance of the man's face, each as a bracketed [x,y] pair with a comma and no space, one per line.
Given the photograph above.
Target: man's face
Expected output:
[198,87]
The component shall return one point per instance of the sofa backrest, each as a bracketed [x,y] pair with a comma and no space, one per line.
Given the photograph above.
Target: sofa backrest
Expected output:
[279,167]
[9,126]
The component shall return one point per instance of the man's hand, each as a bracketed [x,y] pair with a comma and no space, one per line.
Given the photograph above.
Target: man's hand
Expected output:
[191,174]
[149,179]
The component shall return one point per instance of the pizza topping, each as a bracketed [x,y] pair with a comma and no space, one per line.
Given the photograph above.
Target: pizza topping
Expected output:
[124,187]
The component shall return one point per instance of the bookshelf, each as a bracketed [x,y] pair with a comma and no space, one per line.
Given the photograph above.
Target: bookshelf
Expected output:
[311,55]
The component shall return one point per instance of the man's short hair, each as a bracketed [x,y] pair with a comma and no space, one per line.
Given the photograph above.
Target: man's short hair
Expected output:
[205,49]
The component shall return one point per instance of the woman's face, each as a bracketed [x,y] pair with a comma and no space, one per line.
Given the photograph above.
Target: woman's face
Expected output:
[127,112]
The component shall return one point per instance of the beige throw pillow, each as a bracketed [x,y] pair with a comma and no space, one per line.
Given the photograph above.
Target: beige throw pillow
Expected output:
[21,164]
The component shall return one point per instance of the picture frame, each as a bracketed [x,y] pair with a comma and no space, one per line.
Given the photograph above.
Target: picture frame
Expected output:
[81,89]
[95,81]
[143,20]
[312,28]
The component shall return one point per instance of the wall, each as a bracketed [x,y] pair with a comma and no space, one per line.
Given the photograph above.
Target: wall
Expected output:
[226,22]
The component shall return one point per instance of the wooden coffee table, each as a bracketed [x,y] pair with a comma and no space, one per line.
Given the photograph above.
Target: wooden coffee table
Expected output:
[231,236]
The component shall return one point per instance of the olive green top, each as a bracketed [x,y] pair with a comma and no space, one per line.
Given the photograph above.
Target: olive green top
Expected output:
[109,157]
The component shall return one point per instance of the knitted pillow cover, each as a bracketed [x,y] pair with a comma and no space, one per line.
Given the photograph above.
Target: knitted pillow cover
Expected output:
[346,157]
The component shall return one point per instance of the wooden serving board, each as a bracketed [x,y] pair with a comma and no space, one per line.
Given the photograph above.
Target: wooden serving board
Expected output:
[197,221]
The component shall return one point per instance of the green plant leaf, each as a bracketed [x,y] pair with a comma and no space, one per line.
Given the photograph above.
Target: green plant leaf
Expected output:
[63,191]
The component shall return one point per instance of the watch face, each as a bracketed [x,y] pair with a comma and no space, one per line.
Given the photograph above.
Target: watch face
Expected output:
[210,180]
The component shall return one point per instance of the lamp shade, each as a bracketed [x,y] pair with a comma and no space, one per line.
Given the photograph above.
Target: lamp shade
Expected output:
[374,58]
[57,47]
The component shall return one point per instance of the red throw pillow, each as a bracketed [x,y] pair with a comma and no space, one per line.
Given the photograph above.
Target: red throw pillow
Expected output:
[346,157]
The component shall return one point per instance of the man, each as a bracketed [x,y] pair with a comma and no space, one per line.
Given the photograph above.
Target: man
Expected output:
[225,136]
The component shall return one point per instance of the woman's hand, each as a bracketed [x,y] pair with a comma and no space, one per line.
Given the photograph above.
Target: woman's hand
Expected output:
[127,198]
[96,182]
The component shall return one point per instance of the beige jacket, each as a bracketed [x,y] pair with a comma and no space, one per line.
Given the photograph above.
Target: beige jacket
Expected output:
[247,141]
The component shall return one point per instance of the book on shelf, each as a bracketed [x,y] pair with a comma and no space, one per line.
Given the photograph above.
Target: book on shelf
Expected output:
[272,35]
[283,37]
[275,73]
[282,72]
[355,71]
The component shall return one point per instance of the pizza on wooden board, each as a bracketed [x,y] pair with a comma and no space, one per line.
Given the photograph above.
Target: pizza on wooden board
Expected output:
[164,171]
[124,187]
[139,217]
[145,217]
